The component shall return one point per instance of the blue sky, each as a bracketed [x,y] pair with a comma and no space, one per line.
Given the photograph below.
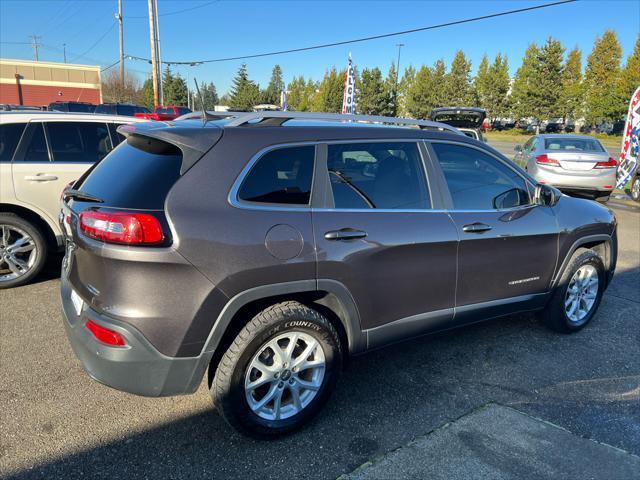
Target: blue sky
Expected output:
[229,28]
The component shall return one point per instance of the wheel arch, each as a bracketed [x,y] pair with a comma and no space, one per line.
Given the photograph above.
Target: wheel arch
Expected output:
[36,219]
[329,297]
[605,247]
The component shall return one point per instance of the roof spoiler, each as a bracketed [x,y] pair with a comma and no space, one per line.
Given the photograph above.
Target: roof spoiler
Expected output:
[163,138]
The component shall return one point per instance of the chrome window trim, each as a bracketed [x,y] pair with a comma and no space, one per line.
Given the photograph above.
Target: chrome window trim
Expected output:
[235,201]
[491,154]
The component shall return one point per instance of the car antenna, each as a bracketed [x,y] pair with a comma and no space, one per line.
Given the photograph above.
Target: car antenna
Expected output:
[205,115]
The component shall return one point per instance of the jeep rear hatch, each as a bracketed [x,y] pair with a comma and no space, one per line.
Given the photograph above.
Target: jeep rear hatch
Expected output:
[459,117]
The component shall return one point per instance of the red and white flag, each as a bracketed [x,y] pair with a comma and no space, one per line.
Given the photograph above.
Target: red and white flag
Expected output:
[349,98]
[629,156]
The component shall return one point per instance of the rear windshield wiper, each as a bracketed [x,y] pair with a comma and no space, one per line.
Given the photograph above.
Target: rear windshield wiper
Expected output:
[82,196]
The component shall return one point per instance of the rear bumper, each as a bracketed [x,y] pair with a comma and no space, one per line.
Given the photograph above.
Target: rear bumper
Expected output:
[600,181]
[137,368]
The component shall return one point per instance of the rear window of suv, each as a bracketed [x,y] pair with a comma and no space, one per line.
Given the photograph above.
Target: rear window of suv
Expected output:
[133,178]
[9,137]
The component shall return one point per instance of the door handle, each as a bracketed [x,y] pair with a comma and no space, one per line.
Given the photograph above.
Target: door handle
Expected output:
[345,234]
[41,177]
[476,228]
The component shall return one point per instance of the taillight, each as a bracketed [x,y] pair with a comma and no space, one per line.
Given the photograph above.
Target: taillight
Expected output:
[128,228]
[104,335]
[545,160]
[611,163]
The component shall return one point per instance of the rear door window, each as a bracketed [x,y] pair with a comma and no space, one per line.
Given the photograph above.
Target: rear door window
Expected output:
[79,142]
[386,175]
[10,134]
[281,176]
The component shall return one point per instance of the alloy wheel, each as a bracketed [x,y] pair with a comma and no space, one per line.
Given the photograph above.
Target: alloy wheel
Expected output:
[285,375]
[581,293]
[18,253]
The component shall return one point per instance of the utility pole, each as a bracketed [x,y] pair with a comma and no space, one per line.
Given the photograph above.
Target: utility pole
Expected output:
[34,43]
[64,52]
[159,53]
[154,59]
[119,18]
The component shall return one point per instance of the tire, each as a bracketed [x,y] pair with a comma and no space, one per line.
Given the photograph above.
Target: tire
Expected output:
[34,259]
[558,317]
[278,323]
[635,189]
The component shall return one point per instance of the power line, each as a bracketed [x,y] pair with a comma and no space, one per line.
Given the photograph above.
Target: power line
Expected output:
[96,42]
[175,12]
[364,39]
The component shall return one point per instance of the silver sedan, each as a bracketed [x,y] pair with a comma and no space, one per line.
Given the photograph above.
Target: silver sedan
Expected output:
[573,163]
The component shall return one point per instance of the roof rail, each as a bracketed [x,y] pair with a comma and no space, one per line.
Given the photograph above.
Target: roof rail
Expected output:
[273,118]
[276,118]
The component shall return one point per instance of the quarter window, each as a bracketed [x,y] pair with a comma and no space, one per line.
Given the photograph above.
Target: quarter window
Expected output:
[78,142]
[281,176]
[478,181]
[386,175]
[9,137]
[36,150]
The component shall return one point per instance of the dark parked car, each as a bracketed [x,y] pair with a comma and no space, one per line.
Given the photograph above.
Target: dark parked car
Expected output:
[73,107]
[262,249]
[468,120]
[124,109]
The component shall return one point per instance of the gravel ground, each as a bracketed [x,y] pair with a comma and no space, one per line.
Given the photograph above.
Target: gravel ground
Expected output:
[58,423]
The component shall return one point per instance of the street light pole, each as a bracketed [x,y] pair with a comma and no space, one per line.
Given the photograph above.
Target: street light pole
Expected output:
[395,92]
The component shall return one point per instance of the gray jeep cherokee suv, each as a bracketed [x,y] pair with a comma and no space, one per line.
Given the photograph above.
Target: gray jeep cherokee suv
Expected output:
[265,248]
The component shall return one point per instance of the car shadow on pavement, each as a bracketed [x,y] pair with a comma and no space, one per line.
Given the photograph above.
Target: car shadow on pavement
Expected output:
[388,397]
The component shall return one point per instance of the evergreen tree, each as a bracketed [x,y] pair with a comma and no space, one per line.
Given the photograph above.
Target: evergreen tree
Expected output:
[403,88]
[458,81]
[497,88]
[330,92]
[295,92]
[549,80]
[439,84]
[176,92]
[421,97]
[601,79]
[629,78]
[391,88]
[372,96]
[244,93]
[167,86]
[209,97]
[523,97]
[274,89]
[571,97]
[308,96]
[145,96]
[482,83]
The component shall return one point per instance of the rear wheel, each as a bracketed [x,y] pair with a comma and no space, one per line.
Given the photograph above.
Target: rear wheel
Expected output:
[578,294]
[23,251]
[279,371]
[635,189]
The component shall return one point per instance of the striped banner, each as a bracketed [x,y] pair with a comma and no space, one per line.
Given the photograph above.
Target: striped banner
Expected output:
[628,161]
[349,98]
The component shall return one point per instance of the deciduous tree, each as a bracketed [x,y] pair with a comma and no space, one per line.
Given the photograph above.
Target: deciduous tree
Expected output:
[572,94]
[330,92]
[601,79]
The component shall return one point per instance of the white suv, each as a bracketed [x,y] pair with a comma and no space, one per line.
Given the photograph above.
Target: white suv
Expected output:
[40,154]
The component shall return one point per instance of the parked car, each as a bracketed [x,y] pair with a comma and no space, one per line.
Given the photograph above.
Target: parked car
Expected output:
[72,107]
[267,247]
[466,119]
[40,153]
[7,107]
[573,163]
[164,113]
[124,109]
[554,127]
[635,186]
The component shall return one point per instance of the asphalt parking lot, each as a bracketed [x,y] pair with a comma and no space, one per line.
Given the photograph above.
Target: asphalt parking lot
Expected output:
[58,423]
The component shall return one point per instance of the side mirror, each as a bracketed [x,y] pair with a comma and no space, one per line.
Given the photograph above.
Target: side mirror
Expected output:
[518,148]
[546,195]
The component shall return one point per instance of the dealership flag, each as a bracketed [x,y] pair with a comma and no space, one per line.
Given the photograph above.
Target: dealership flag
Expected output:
[628,162]
[283,101]
[349,98]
